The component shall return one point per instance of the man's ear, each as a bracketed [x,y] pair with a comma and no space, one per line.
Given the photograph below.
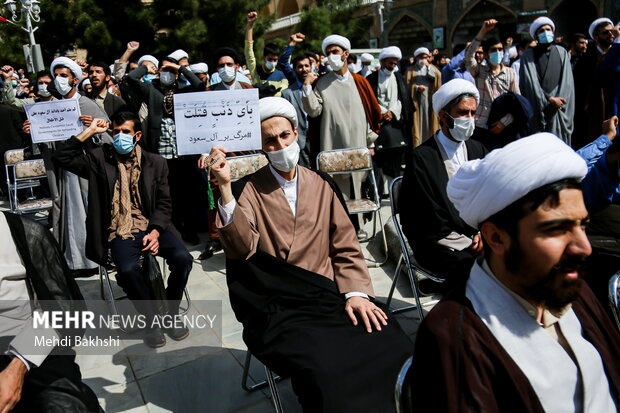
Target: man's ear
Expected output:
[496,238]
[345,54]
[138,136]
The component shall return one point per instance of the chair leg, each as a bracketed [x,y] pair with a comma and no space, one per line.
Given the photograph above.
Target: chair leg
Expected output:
[378,264]
[413,280]
[246,374]
[394,280]
[106,287]
[273,387]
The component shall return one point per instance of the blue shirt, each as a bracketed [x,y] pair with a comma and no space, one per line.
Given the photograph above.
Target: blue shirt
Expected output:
[601,185]
[454,70]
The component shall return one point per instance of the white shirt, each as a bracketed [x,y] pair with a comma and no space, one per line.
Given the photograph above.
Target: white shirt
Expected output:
[454,150]
[307,89]
[290,193]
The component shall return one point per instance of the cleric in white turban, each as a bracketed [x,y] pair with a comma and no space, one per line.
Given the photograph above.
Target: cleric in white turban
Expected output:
[179,55]
[148,58]
[391,51]
[421,50]
[276,106]
[69,64]
[598,22]
[538,23]
[335,39]
[483,187]
[367,58]
[451,90]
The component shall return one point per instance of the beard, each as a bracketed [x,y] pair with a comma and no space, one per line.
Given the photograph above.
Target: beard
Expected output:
[554,290]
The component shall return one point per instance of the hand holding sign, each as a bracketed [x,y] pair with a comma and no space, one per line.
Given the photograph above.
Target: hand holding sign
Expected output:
[55,120]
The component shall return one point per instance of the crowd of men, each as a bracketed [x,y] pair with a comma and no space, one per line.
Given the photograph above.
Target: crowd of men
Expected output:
[507,153]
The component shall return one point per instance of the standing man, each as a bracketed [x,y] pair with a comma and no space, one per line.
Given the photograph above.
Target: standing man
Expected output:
[44,78]
[423,80]
[366,59]
[396,112]
[546,80]
[99,76]
[441,241]
[227,65]
[525,333]
[578,48]
[492,80]
[348,108]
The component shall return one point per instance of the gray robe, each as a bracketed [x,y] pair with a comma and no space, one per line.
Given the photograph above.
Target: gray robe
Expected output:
[546,118]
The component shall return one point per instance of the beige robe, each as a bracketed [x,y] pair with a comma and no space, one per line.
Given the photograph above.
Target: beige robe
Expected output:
[319,238]
[425,122]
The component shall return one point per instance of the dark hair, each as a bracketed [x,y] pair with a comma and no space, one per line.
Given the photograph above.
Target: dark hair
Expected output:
[65,67]
[509,217]
[525,42]
[121,117]
[576,36]
[43,73]
[491,41]
[298,59]
[601,24]
[352,57]
[271,48]
[457,100]
[170,59]
[101,64]
[311,55]
[226,51]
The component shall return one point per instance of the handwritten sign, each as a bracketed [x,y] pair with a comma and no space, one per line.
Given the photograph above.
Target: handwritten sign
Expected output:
[227,118]
[55,120]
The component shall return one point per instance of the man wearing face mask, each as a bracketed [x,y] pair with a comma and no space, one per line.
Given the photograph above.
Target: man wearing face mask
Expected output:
[441,241]
[129,214]
[44,78]
[396,112]
[99,76]
[492,80]
[366,59]
[423,79]
[289,242]
[349,112]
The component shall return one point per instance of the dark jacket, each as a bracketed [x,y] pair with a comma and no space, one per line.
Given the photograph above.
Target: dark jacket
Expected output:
[113,104]
[100,168]
[389,140]
[152,95]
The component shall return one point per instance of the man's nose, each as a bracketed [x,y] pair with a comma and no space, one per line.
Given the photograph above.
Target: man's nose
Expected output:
[579,244]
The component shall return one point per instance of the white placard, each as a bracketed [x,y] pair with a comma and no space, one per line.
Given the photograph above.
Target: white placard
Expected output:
[226,118]
[55,120]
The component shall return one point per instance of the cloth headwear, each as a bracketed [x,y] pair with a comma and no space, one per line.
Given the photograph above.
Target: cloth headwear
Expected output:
[538,23]
[595,23]
[335,39]
[65,61]
[226,51]
[199,68]
[483,187]
[421,50]
[148,58]
[178,55]
[450,91]
[389,52]
[367,58]
[275,106]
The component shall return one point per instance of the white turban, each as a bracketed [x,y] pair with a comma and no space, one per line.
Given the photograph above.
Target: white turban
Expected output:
[421,50]
[538,23]
[178,55]
[450,91]
[65,61]
[148,58]
[389,52]
[483,187]
[199,68]
[367,58]
[275,106]
[334,39]
[596,23]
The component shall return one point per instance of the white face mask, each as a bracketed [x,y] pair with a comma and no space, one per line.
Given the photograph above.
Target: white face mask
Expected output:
[463,128]
[43,90]
[269,65]
[335,61]
[62,85]
[387,71]
[285,159]
[167,78]
[352,68]
[227,73]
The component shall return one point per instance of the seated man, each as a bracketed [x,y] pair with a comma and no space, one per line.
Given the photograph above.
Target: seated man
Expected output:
[298,281]
[36,378]
[525,334]
[442,242]
[129,212]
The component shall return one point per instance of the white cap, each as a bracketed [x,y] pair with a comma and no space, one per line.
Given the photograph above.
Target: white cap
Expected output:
[199,68]
[275,106]
[450,91]
[421,50]
[148,58]
[65,61]
[335,39]
[538,23]
[390,52]
[597,22]
[179,54]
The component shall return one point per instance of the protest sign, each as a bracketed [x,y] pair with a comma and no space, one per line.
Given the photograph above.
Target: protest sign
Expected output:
[55,120]
[227,118]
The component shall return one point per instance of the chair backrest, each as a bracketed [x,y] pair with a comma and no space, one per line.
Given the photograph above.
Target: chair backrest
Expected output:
[402,392]
[614,297]
[13,156]
[344,160]
[34,168]
[243,165]
[395,186]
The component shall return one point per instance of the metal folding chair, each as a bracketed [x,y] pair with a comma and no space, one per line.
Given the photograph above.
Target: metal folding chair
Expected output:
[243,165]
[402,395]
[354,160]
[24,174]
[406,256]
[614,297]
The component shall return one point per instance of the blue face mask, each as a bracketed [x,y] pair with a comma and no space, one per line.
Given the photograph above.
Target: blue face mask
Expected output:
[148,78]
[495,58]
[123,143]
[14,83]
[546,37]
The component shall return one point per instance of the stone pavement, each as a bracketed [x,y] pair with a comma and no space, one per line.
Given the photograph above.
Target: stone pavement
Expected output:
[188,381]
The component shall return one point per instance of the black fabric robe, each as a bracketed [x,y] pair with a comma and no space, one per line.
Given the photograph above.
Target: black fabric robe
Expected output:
[427,215]
[459,366]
